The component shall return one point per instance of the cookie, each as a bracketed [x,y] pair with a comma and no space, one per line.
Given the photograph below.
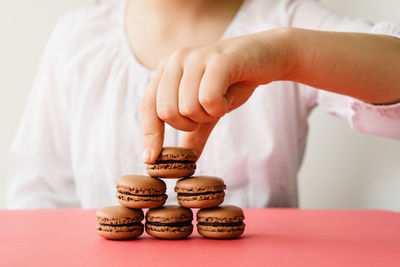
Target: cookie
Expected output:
[139,191]
[173,162]
[169,222]
[200,191]
[221,222]
[118,222]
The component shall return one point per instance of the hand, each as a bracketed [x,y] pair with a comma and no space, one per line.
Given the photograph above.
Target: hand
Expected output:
[194,87]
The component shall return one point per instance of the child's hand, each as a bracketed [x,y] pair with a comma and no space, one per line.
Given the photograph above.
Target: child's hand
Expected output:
[194,87]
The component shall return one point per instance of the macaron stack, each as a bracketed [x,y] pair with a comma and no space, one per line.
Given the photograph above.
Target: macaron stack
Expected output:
[137,192]
[207,193]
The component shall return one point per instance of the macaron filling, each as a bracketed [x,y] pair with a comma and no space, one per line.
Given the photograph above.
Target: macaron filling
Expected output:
[122,225]
[198,194]
[176,165]
[172,161]
[120,228]
[176,224]
[215,224]
[136,195]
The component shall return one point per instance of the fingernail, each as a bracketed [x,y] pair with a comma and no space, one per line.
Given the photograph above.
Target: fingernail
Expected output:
[146,155]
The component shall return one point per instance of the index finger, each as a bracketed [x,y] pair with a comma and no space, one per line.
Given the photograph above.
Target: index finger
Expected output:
[153,127]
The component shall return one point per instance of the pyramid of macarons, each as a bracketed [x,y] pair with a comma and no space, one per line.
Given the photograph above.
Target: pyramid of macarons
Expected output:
[137,192]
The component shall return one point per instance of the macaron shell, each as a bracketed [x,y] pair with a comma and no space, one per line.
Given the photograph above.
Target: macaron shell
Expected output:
[200,184]
[221,214]
[171,170]
[118,215]
[141,185]
[226,214]
[201,201]
[139,191]
[169,214]
[220,232]
[177,153]
[119,233]
[113,220]
[165,232]
[141,202]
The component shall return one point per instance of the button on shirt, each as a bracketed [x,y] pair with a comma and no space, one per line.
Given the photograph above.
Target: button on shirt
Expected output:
[81,129]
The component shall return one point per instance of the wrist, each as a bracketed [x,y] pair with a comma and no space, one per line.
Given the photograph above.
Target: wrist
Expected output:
[284,44]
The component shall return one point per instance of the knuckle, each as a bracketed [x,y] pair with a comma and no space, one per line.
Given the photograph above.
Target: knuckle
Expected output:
[218,60]
[187,110]
[212,106]
[150,136]
[195,55]
[162,64]
[179,54]
[172,63]
[207,101]
[166,114]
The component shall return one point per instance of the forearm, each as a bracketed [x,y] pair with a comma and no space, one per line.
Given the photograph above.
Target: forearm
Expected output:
[363,66]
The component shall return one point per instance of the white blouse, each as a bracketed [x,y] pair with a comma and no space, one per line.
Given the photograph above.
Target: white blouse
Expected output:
[81,129]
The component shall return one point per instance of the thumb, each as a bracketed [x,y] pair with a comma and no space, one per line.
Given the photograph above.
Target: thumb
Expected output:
[197,139]
[238,94]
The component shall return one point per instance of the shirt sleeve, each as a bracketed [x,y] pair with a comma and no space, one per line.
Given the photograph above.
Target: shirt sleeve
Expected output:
[41,174]
[381,120]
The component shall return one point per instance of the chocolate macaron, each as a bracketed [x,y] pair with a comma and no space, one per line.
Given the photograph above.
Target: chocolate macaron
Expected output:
[173,162]
[169,222]
[200,191]
[139,191]
[118,222]
[221,222]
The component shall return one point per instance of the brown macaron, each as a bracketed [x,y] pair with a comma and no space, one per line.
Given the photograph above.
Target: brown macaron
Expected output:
[200,191]
[221,222]
[173,162]
[118,222]
[139,191]
[169,222]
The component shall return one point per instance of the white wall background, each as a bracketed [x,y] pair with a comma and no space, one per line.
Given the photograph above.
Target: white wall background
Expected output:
[342,168]
[25,26]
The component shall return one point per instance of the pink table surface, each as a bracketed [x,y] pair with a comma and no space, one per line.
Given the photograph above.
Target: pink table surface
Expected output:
[273,237]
